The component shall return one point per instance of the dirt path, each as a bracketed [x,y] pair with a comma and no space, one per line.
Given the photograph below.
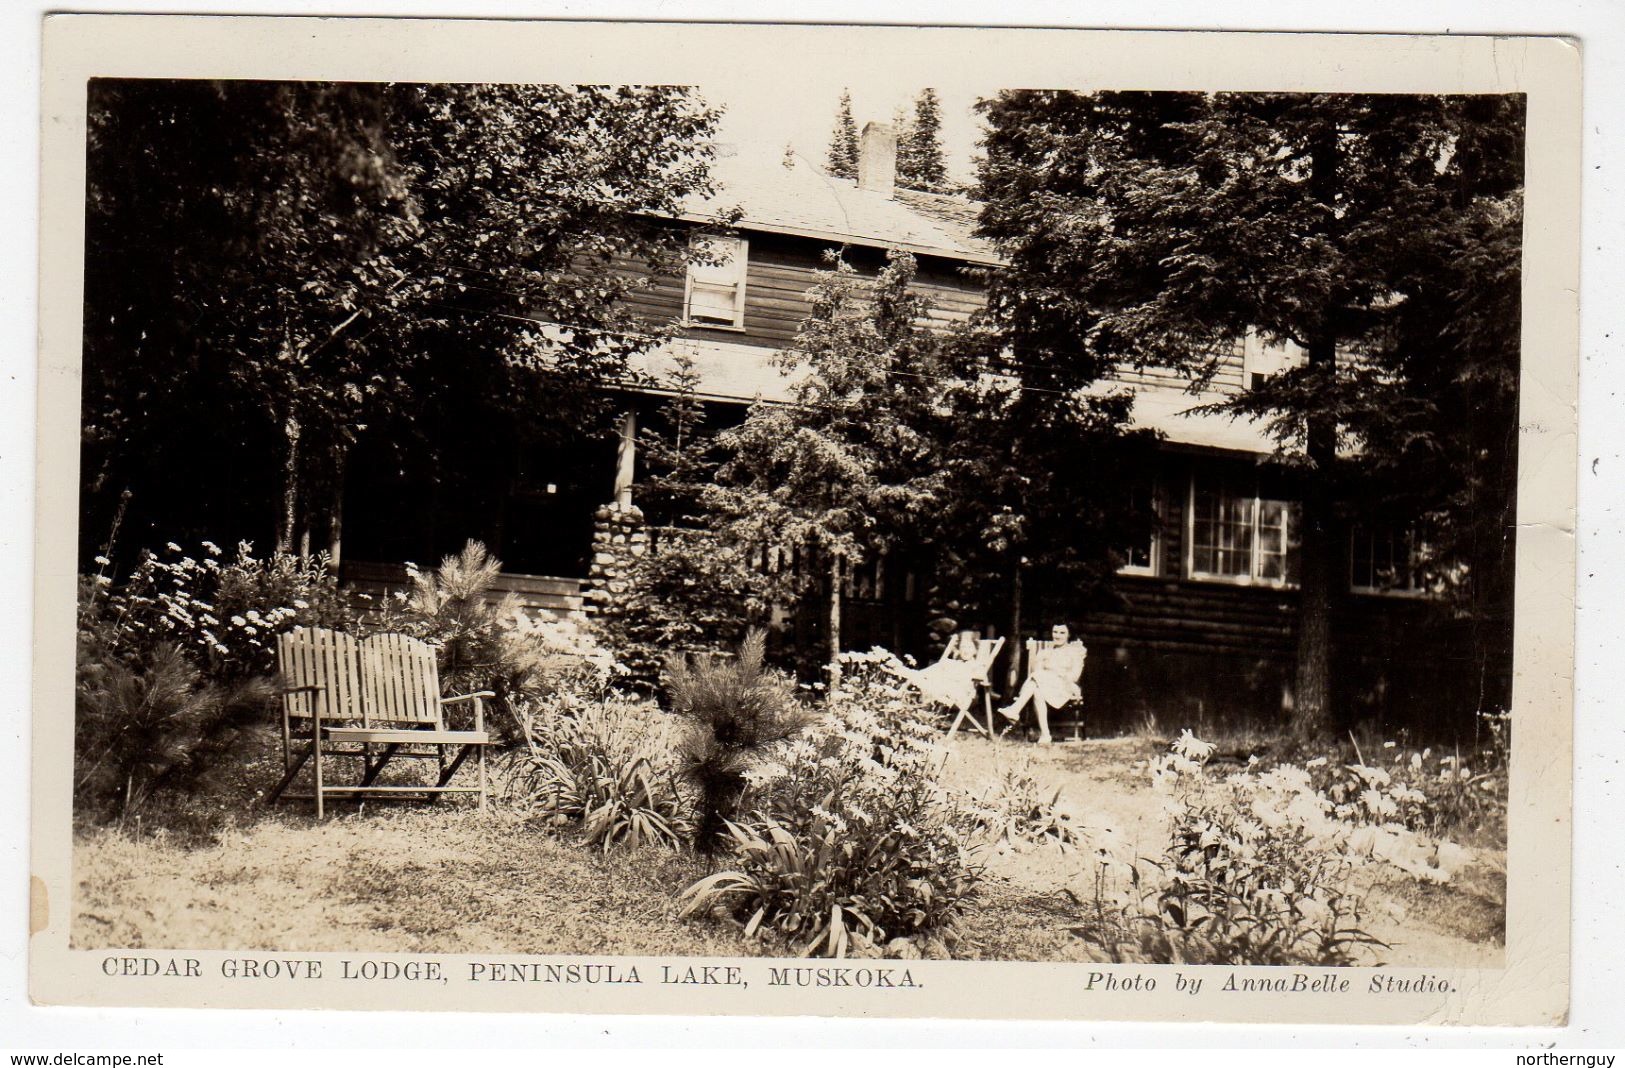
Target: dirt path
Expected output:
[1104,783]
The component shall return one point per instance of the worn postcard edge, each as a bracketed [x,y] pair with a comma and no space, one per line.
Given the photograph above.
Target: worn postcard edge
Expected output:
[1533,986]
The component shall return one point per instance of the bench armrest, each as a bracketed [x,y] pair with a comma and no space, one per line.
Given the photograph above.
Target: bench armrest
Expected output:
[466,697]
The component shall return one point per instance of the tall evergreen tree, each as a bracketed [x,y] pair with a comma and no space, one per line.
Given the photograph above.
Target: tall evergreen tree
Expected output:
[1170,225]
[842,160]
[920,163]
[844,472]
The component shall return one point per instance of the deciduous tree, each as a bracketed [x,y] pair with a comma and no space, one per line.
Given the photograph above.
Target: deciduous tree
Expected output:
[1159,228]
[274,267]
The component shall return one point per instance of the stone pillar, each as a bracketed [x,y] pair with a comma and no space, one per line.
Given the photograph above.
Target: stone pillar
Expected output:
[618,538]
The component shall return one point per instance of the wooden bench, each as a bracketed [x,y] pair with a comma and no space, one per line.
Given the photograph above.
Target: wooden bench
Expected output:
[376,699]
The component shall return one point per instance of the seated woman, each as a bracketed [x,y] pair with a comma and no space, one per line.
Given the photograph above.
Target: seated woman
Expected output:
[952,680]
[1052,680]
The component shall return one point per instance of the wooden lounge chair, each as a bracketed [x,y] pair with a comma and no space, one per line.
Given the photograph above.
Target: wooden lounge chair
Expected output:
[375,699]
[1052,683]
[987,651]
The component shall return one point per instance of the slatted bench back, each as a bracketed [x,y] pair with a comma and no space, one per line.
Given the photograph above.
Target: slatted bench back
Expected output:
[320,673]
[400,680]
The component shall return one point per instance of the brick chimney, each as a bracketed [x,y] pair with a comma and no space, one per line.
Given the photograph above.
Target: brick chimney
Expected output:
[877,158]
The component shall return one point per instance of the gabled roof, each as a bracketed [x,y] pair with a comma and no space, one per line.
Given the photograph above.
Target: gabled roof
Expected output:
[802,200]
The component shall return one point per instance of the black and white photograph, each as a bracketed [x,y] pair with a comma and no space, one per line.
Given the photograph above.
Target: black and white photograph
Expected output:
[913,517]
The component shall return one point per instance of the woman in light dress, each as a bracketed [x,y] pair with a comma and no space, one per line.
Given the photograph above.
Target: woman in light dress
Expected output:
[1052,680]
[952,680]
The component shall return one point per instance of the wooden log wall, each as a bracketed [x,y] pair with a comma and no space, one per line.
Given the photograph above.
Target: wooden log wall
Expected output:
[781,269]
[778,274]
[1218,655]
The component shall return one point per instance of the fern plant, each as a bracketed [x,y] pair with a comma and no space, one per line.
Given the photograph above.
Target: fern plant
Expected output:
[736,708]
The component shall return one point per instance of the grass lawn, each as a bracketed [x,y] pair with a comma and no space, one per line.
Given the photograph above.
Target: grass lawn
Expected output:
[448,879]
[401,879]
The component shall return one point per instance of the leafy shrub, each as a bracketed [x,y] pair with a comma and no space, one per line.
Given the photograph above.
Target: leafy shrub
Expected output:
[1435,793]
[1250,875]
[224,613]
[854,845]
[554,663]
[485,642]
[1015,811]
[605,766]
[147,719]
[735,710]
[175,660]
[689,593]
[1265,866]
[1257,897]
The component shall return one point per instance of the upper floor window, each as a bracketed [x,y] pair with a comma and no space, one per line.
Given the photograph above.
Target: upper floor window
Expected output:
[1238,535]
[1386,558]
[1261,360]
[1140,558]
[715,292]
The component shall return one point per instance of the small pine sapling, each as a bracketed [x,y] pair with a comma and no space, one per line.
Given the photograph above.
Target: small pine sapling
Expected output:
[736,708]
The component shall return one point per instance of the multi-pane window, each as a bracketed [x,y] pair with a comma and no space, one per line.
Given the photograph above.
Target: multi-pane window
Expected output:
[1385,558]
[715,293]
[1140,557]
[1238,535]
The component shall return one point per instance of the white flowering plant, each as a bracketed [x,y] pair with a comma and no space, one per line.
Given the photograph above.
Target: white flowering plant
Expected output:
[175,662]
[223,612]
[856,843]
[1244,880]
[1433,791]
[1271,864]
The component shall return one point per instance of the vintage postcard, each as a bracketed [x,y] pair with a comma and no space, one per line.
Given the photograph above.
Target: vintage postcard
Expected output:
[768,519]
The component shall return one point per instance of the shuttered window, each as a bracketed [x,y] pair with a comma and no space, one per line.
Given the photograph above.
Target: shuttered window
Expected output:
[715,293]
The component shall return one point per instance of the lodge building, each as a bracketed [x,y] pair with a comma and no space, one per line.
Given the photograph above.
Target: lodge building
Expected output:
[1202,626]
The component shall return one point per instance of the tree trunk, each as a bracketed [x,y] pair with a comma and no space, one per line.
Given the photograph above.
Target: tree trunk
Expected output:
[335,515]
[1312,711]
[288,521]
[1012,675]
[835,560]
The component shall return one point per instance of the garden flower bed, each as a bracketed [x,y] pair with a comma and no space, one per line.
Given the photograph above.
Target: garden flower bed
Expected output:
[735,815]
[447,879]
